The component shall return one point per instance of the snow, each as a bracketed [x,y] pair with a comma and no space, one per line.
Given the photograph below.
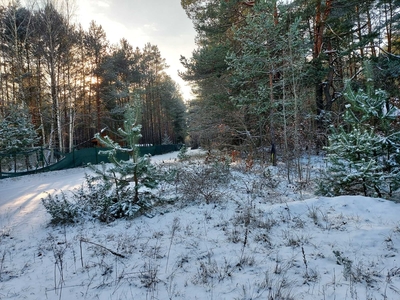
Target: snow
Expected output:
[282,243]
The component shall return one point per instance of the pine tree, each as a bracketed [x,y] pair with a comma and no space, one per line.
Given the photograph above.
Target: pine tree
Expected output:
[364,154]
[266,75]
[127,177]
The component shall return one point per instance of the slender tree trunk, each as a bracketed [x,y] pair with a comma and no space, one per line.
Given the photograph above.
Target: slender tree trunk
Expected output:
[59,114]
[271,96]
[295,95]
[71,106]
[359,33]
[369,22]
[319,27]
[98,104]
[388,11]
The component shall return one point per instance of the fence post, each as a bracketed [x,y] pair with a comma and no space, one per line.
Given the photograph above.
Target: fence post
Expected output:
[73,156]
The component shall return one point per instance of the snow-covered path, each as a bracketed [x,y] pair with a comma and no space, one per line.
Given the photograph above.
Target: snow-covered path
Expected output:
[21,209]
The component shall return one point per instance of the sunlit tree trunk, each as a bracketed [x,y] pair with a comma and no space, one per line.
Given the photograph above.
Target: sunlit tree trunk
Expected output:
[96,48]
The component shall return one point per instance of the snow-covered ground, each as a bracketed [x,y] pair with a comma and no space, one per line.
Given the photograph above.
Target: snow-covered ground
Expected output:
[261,238]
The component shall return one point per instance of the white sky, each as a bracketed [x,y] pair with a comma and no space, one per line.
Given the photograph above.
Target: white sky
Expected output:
[161,22]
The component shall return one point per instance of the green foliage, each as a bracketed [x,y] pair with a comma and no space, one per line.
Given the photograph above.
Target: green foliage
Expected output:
[183,152]
[117,190]
[127,177]
[208,70]
[353,164]
[95,198]
[309,47]
[364,155]
[118,75]
[17,133]
[266,72]
[61,210]
[387,73]
[102,200]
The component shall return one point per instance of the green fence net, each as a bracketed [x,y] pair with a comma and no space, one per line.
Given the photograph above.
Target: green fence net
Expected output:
[43,160]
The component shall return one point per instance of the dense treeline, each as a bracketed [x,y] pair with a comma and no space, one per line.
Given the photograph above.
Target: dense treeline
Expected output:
[274,73]
[73,83]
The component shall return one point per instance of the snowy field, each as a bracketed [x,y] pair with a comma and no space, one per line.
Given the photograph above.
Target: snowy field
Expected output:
[258,238]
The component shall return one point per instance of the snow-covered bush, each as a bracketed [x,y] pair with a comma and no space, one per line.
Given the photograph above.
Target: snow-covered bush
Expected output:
[199,180]
[17,135]
[183,152]
[95,198]
[61,210]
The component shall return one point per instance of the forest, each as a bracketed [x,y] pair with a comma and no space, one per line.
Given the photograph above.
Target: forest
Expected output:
[278,80]
[65,84]
[275,73]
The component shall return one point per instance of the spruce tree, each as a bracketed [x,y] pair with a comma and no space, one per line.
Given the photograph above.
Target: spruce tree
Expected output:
[17,134]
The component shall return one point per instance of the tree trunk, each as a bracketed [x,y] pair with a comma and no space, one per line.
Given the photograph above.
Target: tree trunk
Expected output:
[319,28]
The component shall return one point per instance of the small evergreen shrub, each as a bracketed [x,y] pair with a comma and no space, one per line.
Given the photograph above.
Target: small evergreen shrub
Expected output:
[95,198]
[166,140]
[183,152]
[61,210]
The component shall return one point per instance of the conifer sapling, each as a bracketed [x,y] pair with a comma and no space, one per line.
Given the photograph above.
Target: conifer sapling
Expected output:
[127,177]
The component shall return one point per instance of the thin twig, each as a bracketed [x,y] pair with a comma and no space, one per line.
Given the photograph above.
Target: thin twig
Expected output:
[109,250]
